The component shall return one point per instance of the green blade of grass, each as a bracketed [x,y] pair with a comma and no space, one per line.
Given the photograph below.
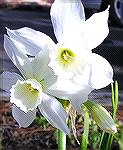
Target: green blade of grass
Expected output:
[84,140]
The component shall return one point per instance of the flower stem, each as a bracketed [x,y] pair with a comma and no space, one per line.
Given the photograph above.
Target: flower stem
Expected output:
[109,137]
[114,110]
[61,140]
[84,141]
[101,140]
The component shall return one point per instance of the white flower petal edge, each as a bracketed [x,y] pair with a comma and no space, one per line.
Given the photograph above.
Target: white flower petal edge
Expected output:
[23,119]
[53,111]
[33,41]
[66,89]
[13,50]
[38,68]
[95,29]
[101,72]
[7,79]
[65,17]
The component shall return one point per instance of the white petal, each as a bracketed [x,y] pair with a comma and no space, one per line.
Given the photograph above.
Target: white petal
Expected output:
[30,68]
[50,78]
[23,119]
[66,17]
[32,41]
[13,50]
[65,66]
[53,111]
[7,79]
[66,89]
[101,72]
[95,29]
[38,68]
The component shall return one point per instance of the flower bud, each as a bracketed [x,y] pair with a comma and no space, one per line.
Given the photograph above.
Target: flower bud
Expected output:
[101,117]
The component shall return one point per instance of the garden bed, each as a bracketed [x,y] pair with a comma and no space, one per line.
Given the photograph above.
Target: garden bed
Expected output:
[34,137]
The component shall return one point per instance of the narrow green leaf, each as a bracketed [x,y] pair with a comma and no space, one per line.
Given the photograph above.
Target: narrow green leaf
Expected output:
[84,140]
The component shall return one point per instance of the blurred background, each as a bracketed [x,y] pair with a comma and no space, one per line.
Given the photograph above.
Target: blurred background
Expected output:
[15,14]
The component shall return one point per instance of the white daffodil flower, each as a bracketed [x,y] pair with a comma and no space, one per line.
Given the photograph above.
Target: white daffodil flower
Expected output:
[72,58]
[76,37]
[30,91]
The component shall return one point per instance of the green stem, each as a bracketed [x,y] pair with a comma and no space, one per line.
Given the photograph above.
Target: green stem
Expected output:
[61,140]
[116,100]
[62,135]
[114,110]
[109,137]
[111,140]
[112,98]
[101,140]
[108,142]
[84,141]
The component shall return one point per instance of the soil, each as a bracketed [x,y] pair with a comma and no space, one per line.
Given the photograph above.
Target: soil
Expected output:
[33,137]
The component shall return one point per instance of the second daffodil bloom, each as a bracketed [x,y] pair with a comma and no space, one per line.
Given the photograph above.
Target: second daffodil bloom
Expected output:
[29,91]
[78,68]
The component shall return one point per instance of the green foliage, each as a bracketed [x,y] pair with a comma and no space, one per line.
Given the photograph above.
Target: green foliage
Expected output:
[41,122]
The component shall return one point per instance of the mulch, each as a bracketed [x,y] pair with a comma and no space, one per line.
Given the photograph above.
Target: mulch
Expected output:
[33,137]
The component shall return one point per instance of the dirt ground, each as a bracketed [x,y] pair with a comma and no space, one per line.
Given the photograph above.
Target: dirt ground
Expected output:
[33,137]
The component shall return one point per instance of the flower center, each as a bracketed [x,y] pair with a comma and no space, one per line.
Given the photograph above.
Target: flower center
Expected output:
[65,56]
[31,89]
[26,94]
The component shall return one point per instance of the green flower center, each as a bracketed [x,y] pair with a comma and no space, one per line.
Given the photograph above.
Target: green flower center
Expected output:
[28,90]
[65,56]
[31,89]
[26,94]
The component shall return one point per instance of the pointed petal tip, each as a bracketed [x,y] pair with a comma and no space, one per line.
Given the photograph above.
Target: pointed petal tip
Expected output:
[111,130]
[108,7]
[114,129]
[7,28]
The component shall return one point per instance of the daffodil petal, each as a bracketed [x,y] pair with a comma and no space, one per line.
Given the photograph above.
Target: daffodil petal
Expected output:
[7,79]
[32,40]
[38,68]
[49,78]
[101,72]
[23,119]
[66,89]
[95,29]
[53,111]
[66,16]
[13,50]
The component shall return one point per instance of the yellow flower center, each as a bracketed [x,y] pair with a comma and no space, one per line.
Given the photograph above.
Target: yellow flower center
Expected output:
[66,57]
[26,94]
[31,89]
